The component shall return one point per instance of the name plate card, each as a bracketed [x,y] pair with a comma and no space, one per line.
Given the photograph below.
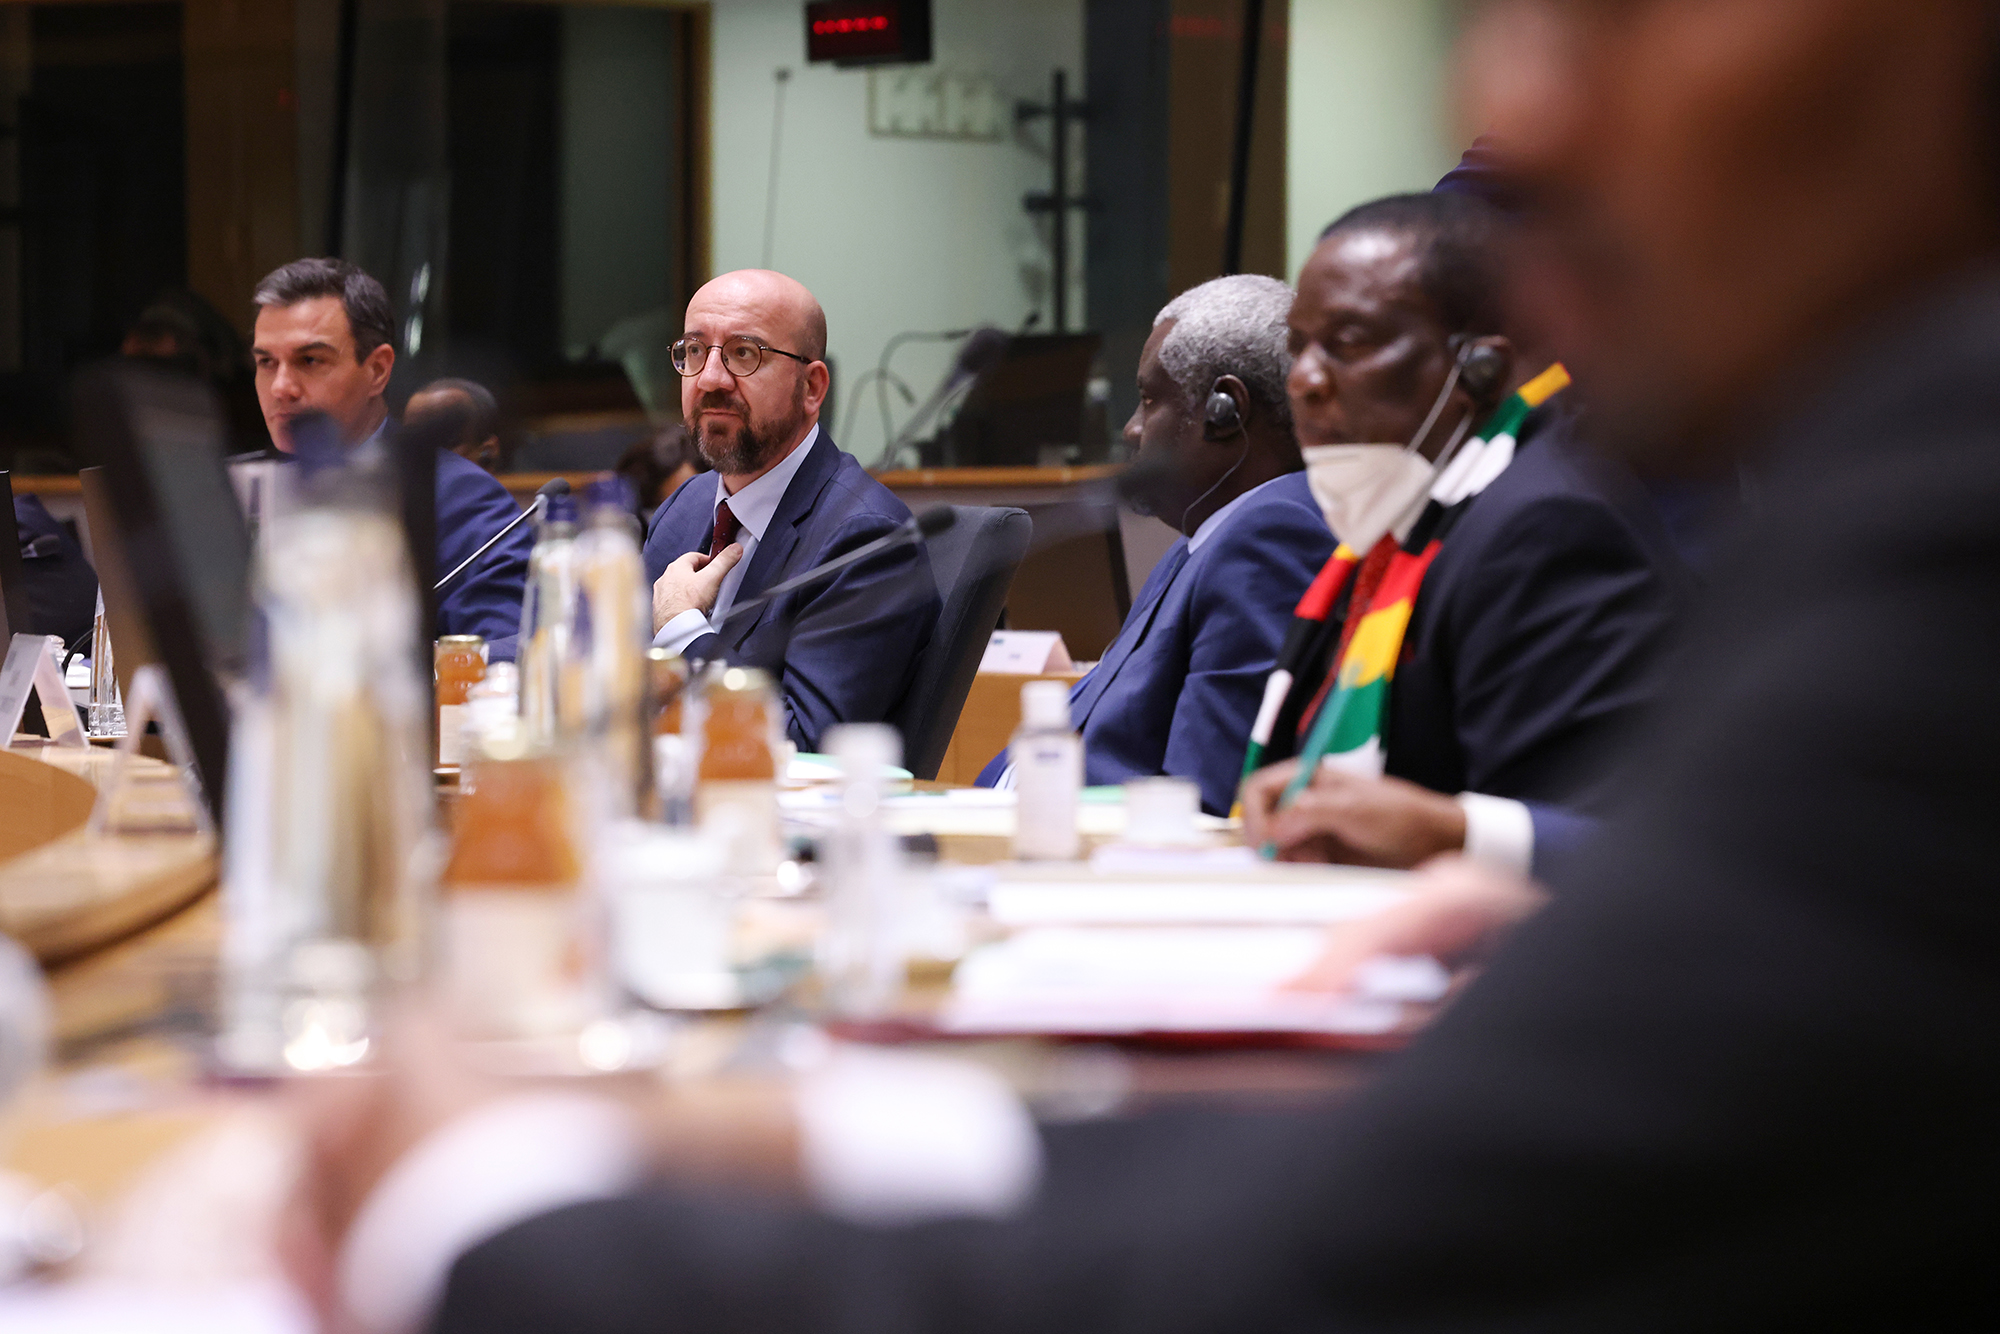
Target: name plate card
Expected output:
[32,665]
[1026,653]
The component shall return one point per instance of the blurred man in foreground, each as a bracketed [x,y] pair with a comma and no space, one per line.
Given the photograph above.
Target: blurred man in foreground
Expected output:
[783,498]
[1178,688]
[1740,1075]
[321,347]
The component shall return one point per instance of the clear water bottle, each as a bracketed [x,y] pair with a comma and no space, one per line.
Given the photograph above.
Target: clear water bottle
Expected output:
[1047,759]
[862,960]
[549,679]
[611,637]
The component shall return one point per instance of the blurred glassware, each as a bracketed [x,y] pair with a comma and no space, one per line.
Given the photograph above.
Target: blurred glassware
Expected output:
[106,713]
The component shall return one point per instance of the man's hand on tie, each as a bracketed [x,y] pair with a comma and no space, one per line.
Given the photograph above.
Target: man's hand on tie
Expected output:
[692,583]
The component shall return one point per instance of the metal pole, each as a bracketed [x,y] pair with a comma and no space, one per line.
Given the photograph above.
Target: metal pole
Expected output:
[1059,203]
[1239,162]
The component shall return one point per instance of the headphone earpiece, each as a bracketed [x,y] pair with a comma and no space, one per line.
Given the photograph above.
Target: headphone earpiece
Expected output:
[1484,371]
[1482,367]
[1222,416]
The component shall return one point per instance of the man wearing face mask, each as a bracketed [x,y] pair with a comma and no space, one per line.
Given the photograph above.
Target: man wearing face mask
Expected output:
[1177,690]
[1494,617]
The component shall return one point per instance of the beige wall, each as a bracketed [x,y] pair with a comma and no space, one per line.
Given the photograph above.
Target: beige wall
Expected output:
[1367,111]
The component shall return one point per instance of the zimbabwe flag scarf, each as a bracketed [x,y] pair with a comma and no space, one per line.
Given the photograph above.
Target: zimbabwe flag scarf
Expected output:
[1339,719]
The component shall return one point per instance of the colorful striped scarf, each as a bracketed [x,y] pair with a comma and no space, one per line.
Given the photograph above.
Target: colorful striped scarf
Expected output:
[1342,722]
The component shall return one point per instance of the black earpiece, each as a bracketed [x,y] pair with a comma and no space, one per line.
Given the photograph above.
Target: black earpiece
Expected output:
[1484,371]
[1222,416]
[1482,368]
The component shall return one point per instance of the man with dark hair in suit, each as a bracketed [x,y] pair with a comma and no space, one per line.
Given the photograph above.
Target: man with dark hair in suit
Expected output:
[322,347]
[1214,456]
[782,499]
[1740,1074]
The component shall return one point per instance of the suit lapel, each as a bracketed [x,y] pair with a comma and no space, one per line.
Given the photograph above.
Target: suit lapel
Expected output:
[1092,687]
[771,563]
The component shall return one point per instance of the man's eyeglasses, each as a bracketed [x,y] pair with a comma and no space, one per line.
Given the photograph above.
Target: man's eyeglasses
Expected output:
[740,355]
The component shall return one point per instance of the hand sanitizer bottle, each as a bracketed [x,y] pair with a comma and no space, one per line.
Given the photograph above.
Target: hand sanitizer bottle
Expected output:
[1047,759]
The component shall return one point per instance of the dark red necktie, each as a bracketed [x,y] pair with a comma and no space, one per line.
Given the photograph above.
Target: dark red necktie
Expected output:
[725,528]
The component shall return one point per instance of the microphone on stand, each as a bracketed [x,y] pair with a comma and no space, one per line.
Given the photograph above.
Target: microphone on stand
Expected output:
[555,486]
[979,354]
[917,528]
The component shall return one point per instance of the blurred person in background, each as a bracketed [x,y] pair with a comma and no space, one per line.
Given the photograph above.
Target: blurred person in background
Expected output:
[463,412]
[782,499]
[1178,688]
[658,466]
[182,332]
[59,585]
[322,348]
[1739,1073]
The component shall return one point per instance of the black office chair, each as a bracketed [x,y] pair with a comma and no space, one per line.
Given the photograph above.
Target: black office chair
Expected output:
[973,562]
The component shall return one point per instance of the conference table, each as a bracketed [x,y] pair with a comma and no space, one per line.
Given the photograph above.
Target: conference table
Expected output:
[177,1169]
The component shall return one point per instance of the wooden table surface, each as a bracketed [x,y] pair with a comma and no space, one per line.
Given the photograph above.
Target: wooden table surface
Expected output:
[126,1091]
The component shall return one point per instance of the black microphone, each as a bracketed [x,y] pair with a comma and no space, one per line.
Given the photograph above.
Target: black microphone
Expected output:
[918,527]
[555,486]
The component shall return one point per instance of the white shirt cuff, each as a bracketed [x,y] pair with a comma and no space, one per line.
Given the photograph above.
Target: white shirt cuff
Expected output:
[682,630]
[472,1179]
[889,1137]
[1499,832]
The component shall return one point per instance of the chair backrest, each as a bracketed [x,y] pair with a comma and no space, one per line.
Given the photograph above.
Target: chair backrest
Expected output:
[973,561]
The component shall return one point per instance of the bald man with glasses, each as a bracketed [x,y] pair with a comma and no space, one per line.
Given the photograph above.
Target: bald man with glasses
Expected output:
[783,498]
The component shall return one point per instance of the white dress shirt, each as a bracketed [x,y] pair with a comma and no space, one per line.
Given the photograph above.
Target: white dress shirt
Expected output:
[884,1138]
[754,507]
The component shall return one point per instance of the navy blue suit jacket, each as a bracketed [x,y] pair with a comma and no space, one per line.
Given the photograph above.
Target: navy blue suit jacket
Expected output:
[1539,633]
[1177,691]
[61,586]
[845,650]
[486,600]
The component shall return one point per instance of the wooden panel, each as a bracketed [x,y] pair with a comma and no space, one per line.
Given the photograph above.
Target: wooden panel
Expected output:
[992,711]
[242,148]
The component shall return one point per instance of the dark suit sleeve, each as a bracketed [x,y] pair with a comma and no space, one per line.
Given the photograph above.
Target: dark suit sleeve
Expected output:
[1739,1076]
[1240,608]
[1559,833]
[852,644]
[1559,630]
[486,600]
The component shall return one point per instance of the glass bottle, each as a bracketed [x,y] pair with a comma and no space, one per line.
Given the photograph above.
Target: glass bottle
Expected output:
[458,664]
[736,778]
[1047,759]
[522,954]
[106,714]
[330,790]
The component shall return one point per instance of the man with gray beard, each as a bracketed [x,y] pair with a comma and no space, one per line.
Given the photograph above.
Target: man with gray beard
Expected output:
[782,499]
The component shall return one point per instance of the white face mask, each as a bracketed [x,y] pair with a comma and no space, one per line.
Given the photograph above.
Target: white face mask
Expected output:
[1366,490]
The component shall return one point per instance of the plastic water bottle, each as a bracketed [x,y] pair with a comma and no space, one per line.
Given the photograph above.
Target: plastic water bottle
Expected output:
[862,952]
[1047,758]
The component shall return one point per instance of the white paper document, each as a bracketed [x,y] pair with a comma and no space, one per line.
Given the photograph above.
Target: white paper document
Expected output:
[1025,653]
[1075,980]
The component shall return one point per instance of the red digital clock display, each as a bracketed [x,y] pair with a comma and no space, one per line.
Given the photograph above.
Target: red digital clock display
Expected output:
[868,33]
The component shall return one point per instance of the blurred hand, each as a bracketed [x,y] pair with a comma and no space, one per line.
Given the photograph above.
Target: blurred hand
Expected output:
[1356,821]
[354,1128]
[692,583]
[1459,913]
